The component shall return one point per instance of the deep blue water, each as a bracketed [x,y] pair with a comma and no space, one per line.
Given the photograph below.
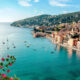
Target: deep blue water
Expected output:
[37,62]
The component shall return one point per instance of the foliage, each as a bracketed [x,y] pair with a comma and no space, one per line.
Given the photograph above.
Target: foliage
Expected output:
[4,67]
[48,20]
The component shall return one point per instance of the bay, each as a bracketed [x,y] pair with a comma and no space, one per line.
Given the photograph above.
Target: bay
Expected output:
[36,62]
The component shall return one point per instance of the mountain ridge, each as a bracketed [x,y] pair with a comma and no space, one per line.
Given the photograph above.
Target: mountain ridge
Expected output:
[48,20]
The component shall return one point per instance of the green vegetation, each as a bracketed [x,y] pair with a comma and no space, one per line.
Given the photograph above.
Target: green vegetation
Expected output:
[48,20]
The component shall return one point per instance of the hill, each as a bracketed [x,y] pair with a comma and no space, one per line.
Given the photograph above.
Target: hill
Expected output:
[48,20]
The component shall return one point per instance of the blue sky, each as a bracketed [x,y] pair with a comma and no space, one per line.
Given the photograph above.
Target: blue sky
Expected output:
[12,10]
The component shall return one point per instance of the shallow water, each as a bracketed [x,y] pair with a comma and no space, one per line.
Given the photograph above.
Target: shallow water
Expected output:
[37,62]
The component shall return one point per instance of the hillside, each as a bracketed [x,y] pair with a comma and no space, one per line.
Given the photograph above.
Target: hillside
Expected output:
[48,20]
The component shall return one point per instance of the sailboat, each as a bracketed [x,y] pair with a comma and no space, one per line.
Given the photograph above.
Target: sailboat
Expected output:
[3,42]
[25,41]
[52,51]
[28,46]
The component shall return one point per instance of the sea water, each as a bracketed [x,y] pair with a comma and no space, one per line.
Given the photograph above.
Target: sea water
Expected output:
[37,58]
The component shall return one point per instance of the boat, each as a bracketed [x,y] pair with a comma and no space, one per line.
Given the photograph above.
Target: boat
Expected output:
[14,47]
[25,41]
[28,46]
[52,51]
[34,49]
[3,42]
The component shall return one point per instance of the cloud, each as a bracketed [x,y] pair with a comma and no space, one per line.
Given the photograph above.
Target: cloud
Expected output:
[58,3]
[25,3]
[36,0]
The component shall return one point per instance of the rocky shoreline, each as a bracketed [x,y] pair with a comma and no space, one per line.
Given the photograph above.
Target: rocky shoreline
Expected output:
[64,45]
[40,34]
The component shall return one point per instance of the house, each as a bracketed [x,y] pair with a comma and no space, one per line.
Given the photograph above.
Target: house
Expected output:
[69,35]
[70,42]
[58,39]
[75,41]
[78,45]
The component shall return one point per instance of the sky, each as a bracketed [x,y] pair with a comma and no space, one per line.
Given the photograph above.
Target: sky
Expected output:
[13,10]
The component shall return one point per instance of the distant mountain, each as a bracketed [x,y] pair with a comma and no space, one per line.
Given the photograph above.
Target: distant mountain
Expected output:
[48,20]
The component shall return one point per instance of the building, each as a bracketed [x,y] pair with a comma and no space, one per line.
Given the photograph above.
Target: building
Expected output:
[78,45]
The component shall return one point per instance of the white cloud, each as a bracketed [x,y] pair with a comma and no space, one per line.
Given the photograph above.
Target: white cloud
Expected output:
[25,3]
[58,3]
[36,0]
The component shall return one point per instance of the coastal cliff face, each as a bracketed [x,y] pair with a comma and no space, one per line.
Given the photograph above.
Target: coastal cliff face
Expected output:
[48,20]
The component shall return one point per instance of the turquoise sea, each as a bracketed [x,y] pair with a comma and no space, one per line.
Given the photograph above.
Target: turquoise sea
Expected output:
[37,62]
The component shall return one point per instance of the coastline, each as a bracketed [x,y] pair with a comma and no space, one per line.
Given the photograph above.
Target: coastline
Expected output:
[53,40]
[63,45]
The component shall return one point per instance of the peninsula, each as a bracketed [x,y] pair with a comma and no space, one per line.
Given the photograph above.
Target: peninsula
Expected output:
[63,29]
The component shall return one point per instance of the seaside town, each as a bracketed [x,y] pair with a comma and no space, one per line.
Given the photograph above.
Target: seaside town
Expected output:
[67,35]
[39,39]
